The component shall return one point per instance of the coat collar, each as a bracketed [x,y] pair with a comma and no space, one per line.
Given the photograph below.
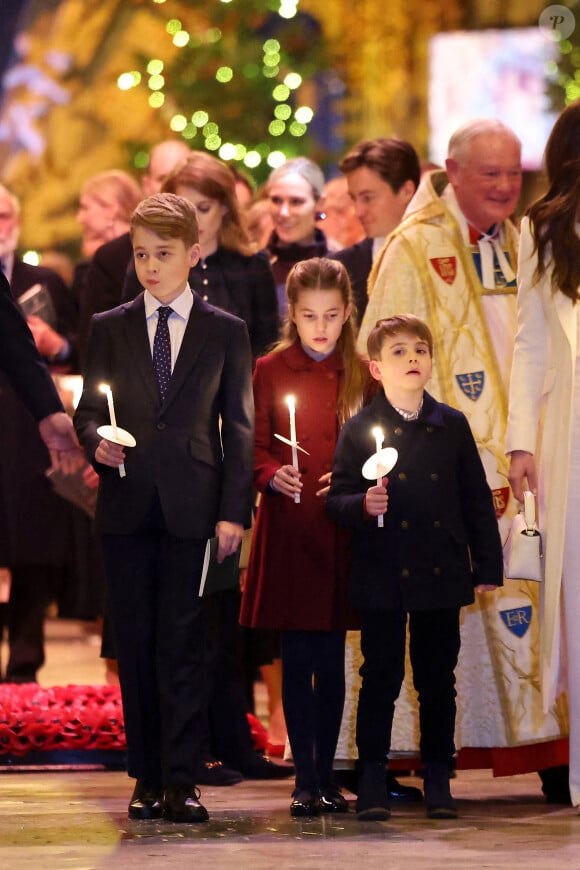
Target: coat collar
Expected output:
[431,412]
[294,252]
[296,359]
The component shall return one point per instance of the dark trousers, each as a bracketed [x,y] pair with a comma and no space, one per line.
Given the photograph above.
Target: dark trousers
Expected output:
[23,617]
[313,700]
[153,581]
[434,648]
[230,738]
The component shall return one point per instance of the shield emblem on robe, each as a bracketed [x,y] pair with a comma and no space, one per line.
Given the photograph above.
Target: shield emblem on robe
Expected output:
[471,384]
[501,497]
[517,620]
[446,268]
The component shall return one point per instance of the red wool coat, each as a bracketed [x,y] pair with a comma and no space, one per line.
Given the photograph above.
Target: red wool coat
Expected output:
[299,562]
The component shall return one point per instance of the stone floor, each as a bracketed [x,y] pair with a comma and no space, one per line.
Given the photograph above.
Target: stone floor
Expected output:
[54,819]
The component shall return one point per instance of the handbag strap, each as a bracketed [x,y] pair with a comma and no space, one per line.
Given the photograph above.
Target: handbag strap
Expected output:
[530,512]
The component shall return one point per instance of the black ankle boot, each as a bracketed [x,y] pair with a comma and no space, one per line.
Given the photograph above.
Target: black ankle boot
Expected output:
[440,804]
[372,804]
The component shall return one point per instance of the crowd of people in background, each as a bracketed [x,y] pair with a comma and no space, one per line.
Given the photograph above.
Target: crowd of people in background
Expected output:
[313,268]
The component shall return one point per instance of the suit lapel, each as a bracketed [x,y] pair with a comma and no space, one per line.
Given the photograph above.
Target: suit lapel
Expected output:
[137,338]
[195,336]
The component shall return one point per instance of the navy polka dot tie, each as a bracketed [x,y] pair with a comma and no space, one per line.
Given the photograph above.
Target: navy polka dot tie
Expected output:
[162,350]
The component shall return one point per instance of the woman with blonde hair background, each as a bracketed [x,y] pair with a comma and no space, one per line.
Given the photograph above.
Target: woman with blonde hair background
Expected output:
[107,202]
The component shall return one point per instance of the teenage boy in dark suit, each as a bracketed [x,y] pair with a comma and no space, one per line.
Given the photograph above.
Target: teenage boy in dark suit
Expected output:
[187,399]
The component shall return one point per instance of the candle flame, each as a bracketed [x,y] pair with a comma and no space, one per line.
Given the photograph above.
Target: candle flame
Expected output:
[291,402]
[378,432]
[104,388]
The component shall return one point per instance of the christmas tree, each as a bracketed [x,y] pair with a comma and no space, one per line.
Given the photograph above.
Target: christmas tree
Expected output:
[244,79]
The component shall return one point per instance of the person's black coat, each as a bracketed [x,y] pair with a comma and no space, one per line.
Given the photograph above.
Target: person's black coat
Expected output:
[440,535]
[25,276]
[20,361]
[358,260]
[99,284]
[34,522]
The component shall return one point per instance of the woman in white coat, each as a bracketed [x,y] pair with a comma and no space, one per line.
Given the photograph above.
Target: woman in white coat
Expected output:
[543,435]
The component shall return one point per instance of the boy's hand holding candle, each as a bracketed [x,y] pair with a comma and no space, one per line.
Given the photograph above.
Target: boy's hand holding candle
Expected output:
[110,449]
[377,500]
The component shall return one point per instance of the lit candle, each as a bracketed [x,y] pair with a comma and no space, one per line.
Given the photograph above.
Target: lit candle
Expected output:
[290,401]
[105,388]
[379,438]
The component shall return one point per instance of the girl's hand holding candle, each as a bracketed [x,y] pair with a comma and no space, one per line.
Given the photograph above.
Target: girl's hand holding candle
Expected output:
[287,481]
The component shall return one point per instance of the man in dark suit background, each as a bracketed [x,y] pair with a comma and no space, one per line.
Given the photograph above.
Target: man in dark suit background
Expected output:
[55,340]
[187,479]
[382,176]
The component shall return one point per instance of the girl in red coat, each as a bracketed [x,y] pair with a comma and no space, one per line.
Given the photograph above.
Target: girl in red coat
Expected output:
[298,569]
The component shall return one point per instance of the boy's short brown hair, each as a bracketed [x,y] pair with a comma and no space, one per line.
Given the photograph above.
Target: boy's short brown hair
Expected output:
[168,216]
[391,326]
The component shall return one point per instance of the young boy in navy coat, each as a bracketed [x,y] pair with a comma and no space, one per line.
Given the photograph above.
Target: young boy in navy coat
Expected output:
[439,542]
[180,374]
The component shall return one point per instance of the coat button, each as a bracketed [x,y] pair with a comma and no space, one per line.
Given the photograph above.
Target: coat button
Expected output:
[402,475]
[437,524]
[437,570]
[429,428]
[405,572]
[434,476]
[404,524]
[398,430]
[161,425]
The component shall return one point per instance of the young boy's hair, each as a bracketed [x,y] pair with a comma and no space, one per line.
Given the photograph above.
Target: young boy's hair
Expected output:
[391,326]
[168,216]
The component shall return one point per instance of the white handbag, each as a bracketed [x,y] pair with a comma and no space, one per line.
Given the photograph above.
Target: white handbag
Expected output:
[523,551]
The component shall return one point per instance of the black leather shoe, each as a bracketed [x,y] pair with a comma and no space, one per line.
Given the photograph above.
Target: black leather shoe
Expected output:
[332,800]
[400,792]
[181,804]
[304,803]
[259,767]
[217,774]
[146,802]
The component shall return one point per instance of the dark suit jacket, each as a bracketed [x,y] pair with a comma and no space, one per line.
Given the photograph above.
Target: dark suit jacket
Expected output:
[201,475]
[358,260]
[21,362]
[440,537]
[24,276]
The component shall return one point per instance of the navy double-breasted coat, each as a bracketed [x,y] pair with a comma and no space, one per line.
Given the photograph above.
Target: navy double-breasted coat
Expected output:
[440,535]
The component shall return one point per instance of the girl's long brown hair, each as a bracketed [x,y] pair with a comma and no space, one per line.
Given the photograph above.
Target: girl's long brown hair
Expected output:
[554,216]
[320,273]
